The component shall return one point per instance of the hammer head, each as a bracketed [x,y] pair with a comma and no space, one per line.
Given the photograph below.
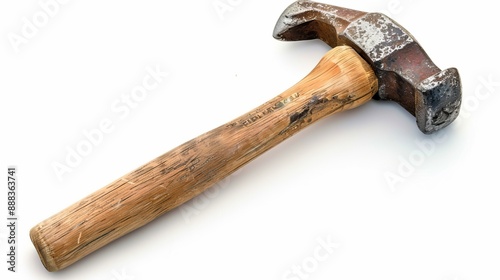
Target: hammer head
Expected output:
[406,73]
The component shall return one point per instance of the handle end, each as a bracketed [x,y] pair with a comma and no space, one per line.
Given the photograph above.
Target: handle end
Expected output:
[42,249]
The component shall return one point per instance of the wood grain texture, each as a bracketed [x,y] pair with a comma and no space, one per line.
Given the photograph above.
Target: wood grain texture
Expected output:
[341,81]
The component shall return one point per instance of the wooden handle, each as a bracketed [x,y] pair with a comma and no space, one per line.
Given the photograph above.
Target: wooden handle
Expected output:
[342,80]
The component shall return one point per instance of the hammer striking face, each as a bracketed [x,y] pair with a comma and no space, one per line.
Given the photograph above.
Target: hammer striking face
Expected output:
[405,72]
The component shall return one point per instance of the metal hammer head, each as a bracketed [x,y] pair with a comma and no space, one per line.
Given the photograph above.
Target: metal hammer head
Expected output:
[406,73]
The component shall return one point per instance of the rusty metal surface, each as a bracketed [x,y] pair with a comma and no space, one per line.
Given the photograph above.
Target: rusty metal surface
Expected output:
[406,73]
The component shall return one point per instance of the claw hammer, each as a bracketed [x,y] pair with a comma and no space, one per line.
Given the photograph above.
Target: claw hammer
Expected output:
[372,57]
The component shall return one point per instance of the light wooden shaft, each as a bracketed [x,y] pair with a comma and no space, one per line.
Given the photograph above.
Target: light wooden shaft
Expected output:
[342,80]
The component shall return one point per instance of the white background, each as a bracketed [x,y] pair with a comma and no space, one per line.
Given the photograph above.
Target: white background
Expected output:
[440,221]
